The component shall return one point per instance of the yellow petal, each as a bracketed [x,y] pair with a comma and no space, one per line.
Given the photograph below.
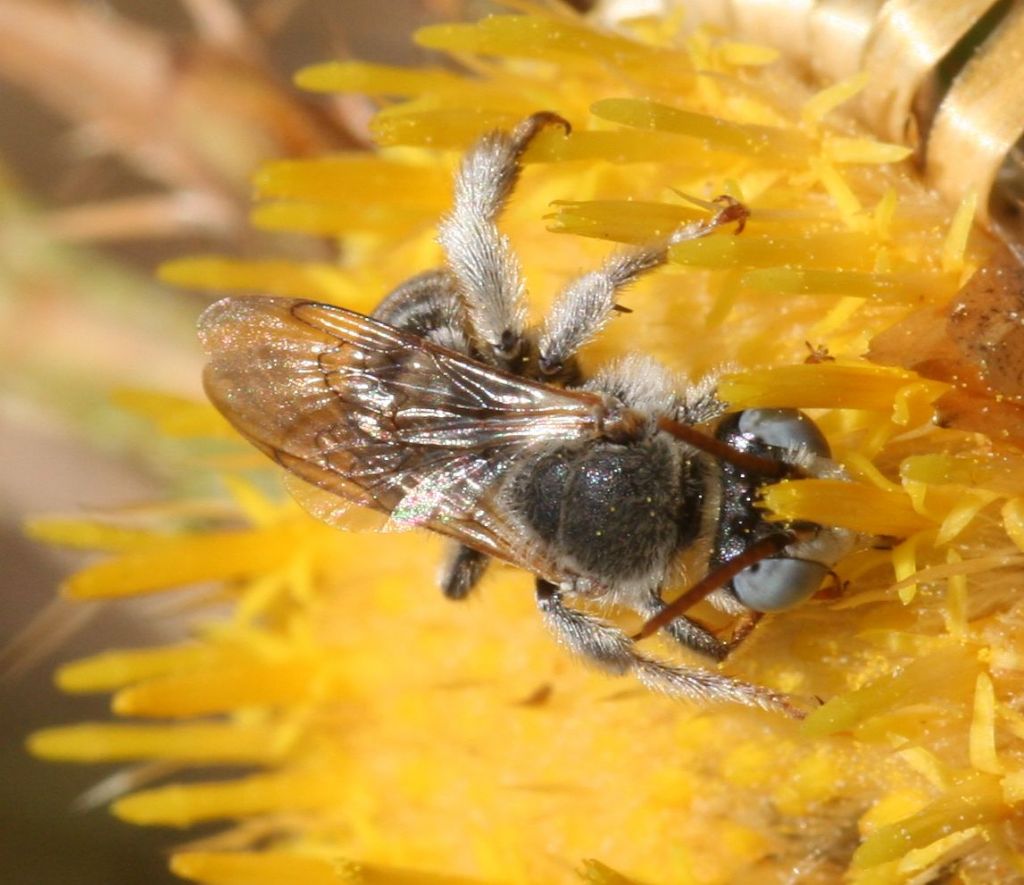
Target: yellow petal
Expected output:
[179,561]
[977,799]
[230,688]
[182,806]
[205,744]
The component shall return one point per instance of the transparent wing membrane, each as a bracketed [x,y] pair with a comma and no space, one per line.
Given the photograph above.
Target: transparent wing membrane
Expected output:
[384,419]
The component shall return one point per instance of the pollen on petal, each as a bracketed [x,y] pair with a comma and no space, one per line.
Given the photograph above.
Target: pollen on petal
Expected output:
[946,675]
[975,800]
[823,385]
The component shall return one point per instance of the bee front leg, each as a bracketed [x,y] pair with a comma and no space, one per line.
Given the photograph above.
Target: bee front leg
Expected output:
[692,634]
[461,571]
[607,647]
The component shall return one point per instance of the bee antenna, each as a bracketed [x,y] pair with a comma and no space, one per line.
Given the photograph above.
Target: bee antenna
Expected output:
[721,576]
[769,467]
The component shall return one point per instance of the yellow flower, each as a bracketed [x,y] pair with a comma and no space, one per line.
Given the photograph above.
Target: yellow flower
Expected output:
[382,734]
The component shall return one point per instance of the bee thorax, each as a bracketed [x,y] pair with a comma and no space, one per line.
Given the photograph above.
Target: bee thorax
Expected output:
[612,513]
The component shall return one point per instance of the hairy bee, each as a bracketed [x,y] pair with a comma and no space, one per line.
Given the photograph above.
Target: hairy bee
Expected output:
[444,411]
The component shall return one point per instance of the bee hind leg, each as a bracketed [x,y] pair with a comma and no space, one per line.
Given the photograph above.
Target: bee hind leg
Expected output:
[610,649]
[478,254]
[461,571]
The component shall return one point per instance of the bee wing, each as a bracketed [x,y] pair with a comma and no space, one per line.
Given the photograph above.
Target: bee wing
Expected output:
[383,418]
[328,507]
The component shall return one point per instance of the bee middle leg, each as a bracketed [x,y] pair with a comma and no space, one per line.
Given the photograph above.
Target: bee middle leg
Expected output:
[584,306]
[609,648]
[462,570]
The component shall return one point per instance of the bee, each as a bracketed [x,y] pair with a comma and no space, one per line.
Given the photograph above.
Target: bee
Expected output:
[444,410]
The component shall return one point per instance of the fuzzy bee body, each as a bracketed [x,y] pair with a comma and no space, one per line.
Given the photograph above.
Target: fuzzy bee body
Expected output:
[616,513]
[444,411]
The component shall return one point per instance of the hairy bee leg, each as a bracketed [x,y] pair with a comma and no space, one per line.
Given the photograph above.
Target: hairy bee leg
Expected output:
[462,570]
[583,308]
[428,305]
[612,650]
[479,255]
[690,633]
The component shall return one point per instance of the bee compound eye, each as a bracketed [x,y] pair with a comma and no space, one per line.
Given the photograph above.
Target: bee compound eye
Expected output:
[784,429]
[776,584]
